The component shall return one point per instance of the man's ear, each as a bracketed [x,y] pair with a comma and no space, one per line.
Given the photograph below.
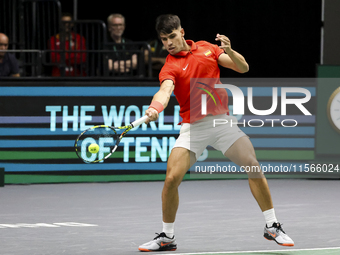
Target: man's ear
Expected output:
[182,32]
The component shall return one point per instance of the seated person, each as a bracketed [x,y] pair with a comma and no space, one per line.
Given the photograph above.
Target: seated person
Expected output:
[68,40]
[8,63]
[120,62]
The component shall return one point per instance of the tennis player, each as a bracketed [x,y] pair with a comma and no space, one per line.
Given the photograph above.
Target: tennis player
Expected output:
[186,60]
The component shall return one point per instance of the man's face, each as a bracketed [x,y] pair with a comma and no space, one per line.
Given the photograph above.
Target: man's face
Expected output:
[3,44]
[67,25]
[173,42]
[116,27]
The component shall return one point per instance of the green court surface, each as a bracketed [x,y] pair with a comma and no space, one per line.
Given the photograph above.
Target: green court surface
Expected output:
[316,251]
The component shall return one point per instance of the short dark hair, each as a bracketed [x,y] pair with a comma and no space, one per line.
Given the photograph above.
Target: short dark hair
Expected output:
[166,23]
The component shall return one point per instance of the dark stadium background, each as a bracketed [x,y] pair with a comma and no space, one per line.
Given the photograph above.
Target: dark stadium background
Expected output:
[279,38]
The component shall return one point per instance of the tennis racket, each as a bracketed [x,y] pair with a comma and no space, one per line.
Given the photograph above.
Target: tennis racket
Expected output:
[106,137]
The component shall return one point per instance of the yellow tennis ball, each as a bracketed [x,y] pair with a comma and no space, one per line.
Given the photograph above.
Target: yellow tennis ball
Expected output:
[94,148]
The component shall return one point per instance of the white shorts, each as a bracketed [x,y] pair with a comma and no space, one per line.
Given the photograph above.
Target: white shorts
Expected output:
[219,131]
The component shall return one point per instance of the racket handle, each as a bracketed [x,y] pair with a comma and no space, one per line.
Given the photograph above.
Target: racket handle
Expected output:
[140,121]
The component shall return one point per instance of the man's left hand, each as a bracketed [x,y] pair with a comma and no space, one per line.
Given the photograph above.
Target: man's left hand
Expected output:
[225,43]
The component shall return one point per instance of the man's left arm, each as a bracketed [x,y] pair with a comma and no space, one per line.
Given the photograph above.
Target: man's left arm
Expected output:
[231,59]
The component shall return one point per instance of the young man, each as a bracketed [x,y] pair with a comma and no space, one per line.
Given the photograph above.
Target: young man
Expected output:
[187,60]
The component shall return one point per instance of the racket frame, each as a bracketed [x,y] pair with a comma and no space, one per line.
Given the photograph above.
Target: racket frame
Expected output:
[127,128]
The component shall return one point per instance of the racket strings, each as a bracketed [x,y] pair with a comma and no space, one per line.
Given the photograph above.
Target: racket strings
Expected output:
[105,137]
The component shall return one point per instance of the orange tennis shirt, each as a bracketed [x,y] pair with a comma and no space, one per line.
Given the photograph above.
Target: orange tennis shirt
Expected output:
[194,73]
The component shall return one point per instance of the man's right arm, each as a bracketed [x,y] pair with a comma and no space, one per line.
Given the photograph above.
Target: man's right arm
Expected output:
[162,97]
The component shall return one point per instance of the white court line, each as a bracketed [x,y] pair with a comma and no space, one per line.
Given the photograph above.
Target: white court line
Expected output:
[238,252]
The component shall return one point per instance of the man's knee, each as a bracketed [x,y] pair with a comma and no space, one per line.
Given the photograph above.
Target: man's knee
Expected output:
[173,180]
[251,162]
[253,168]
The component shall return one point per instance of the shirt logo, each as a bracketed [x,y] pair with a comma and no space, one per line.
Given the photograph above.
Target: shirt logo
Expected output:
[185,67]
[207,53]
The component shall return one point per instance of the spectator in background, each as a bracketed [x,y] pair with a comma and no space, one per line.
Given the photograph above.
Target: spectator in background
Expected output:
[121,62]
[8,63]
[72,63]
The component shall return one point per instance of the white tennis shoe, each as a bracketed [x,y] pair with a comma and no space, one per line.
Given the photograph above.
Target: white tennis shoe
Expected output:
[160,243]
[276,233]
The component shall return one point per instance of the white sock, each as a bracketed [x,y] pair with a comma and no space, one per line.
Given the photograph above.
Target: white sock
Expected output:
[169,229]
[270,217]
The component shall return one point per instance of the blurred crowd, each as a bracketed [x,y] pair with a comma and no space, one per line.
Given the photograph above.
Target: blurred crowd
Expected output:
[78,50]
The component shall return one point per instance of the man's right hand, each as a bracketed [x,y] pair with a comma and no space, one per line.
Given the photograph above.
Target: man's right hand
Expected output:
[152,114]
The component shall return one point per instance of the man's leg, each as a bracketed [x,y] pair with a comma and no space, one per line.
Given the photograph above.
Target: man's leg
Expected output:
[243,154]
[179,162]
